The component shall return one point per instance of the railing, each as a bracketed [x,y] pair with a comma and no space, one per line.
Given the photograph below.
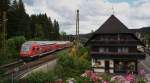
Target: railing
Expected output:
[115,41]
[116,53]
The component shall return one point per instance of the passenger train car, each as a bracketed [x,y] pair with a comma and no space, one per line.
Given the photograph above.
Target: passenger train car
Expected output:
[32,49]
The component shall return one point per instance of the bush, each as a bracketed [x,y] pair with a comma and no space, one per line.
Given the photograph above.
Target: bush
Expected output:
[16,42]
[11,51]
[40,77]
[14,45]
[72,66]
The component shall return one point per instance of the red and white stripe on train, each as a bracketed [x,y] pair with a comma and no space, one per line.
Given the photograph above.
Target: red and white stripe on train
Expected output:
[31,49]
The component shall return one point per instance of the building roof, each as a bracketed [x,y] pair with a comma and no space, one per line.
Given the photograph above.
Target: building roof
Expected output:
[141,30]
[112,25]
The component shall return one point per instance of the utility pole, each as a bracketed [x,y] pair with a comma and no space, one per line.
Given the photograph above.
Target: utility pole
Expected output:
[1,20]
[77,32]
[4,25]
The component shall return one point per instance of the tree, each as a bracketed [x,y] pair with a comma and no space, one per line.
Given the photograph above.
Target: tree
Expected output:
[56,29]
[63,34]
[51,28]
[38,31]
[72,66]
[21,6]
[4,5]
[14,45]
[19,21]
[21,24]
[12,49]
[33,25]
[14,5]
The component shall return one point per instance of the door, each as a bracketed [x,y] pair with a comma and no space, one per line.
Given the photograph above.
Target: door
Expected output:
[107,66]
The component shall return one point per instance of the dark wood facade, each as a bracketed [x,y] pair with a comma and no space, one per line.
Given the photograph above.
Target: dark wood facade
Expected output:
[114,48]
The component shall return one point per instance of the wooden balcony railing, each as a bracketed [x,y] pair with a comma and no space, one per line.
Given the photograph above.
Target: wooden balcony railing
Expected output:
[117,53]
[115,41]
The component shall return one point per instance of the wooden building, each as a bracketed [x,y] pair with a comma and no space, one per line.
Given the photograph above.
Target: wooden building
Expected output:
[114,48]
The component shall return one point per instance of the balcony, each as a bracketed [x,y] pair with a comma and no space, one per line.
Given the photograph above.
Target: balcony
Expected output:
[114,42]
[116,55]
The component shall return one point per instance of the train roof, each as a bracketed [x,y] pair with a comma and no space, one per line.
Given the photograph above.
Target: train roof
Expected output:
[46,42]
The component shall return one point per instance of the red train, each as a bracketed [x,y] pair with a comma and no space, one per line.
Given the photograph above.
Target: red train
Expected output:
[33,49]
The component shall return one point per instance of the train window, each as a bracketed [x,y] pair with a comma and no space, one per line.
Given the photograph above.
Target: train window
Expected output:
[37,48]
[33,48]
[25,47]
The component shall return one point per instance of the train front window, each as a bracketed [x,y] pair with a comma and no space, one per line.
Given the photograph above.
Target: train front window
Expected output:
[26,48]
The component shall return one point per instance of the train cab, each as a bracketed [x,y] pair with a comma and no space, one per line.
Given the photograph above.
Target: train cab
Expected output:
[25,50]
[29,50]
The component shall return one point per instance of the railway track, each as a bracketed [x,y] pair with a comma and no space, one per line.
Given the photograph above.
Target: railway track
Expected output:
[12,65]
[16,72]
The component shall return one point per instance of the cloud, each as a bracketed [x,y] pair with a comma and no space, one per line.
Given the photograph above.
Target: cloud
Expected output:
[29,2]
[93,13]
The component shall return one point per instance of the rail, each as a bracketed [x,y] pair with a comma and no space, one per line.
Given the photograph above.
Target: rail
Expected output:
[17,72]
[11,64]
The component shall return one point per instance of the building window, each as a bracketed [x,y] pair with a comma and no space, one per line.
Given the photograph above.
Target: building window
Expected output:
[124,50]
[120,66]
[119,50]
[97,63]
[102,38]
[118,37]
[103,50]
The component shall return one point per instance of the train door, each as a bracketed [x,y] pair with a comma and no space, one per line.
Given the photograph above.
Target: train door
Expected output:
[35,50]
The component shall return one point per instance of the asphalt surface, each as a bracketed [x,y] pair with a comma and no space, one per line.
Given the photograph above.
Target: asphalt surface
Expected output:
[145,64]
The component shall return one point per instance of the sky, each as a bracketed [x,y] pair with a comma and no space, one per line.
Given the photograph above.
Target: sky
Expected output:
[93,13]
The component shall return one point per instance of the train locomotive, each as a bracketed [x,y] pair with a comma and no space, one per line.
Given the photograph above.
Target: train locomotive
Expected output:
[32,49]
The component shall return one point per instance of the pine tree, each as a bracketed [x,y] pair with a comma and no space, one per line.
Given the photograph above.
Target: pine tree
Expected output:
[4,5]
[19,21]
[56,29]
[39,32]
[14,5]
[33,25]
[21,6]
[21,24]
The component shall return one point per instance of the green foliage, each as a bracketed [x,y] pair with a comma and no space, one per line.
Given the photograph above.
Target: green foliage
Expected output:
[4,5]
[141,79]
[35,26]
[106,76]
[39,33]
[62,35]
[71,66]
[147,35]
[40,77]
[56,29]
[43,28]
[83,80]
[2,39]
[11,50]
[14,44]
[18,21]
[5,81]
